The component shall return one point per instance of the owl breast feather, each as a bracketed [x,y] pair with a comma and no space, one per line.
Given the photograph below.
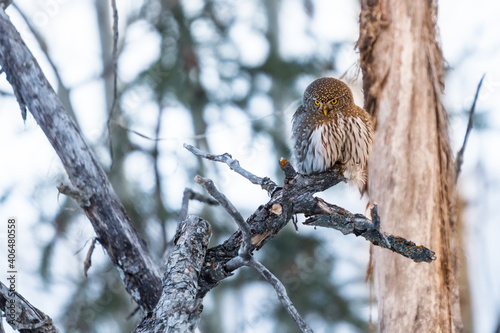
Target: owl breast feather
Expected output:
[323,148]
[344,140]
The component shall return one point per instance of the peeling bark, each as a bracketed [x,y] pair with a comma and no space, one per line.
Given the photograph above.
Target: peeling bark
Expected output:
[179,307]
[411,171]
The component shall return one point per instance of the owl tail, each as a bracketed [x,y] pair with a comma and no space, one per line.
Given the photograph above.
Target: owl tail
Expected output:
[356,176]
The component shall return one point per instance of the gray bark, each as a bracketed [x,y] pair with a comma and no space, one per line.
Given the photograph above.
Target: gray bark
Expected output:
[126,249]
[179,307]
[26,317]
[295,197]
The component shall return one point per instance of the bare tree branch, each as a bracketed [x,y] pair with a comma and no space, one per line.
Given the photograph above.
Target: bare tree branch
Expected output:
[179,307]
[115,74]
[245,249]
[245,252]
[126,249]
[234,165]
[334,217]
[460,155]
[88,258]
[281,292]
[23,316]
[296,196]
[189,194]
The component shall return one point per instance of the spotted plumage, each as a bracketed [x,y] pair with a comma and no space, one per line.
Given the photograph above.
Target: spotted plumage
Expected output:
[329,129]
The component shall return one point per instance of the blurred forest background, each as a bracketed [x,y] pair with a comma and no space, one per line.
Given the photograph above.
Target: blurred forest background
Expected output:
[225,76]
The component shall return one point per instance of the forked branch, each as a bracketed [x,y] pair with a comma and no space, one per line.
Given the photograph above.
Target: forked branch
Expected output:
[296,196]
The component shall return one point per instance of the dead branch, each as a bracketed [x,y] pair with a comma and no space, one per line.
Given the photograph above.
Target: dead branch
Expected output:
[281,293]
[126,249]
[189,194]
[460,155]
[296,196]
[179,307]
[245,257]
[88,258]
[234,165]
[23,316]
[115,75]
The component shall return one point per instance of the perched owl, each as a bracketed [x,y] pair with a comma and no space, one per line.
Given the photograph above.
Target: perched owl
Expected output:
[328,128]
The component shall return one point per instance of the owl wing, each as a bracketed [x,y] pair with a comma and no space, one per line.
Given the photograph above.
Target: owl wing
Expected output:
[300,135]
[358,138]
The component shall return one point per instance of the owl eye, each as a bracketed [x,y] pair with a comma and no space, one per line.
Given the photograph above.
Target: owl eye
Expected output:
[316,102]
[335,101]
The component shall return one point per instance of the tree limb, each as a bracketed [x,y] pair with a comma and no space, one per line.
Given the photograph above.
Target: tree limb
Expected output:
[334,217]
[189,194]
[126,249]
[234,165]
[27,318]
[115,75]
[179,307]
[245,253]
[281,292]
[296,196]
[460,155]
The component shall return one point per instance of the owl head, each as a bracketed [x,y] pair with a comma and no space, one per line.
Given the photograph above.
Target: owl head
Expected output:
[327,94]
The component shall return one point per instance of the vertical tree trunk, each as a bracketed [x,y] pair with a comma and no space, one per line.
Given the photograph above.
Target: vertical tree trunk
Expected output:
[411,169]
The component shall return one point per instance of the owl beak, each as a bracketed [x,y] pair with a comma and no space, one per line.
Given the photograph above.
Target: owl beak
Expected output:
[325,110]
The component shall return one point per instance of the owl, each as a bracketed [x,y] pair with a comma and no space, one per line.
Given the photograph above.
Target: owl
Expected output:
[329,129]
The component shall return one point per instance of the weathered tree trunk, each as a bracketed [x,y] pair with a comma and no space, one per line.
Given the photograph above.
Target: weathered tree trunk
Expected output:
[411,169]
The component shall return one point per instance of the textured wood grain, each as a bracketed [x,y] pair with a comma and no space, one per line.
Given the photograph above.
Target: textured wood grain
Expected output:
[410,171]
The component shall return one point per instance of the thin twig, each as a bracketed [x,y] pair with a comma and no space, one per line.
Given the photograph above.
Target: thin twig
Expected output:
[88,259]
[281,292]
[115,74]
[208,184]
[245,256]
[460,154]
[144,136]
[189,194]
[234,165]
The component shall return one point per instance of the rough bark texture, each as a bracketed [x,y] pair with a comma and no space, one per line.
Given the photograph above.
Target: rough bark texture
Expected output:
[410,171]
[179,308]
[28,319]
[97,198]
[295,197]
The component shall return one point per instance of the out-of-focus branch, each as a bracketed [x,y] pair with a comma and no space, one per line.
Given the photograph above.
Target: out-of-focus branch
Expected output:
[116,234]
[460,155]
[179,307]
[62,91]
[23,316]
[115,75]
